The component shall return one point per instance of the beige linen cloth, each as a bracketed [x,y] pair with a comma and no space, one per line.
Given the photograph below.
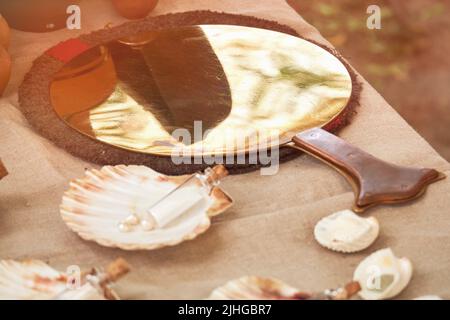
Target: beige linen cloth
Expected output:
[269,231]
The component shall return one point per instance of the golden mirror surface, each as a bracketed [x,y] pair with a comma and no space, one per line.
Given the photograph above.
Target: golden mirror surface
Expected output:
[208,89]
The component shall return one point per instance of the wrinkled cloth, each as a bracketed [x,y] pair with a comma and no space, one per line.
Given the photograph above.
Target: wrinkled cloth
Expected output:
[269,230]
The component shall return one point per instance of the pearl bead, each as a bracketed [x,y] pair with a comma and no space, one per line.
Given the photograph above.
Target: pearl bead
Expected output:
[132,220]
[123,227]
[148,224]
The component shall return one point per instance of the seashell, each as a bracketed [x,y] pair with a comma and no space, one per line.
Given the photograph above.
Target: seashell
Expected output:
[382,275]
[95,204]
[258,288]
[35,280]
[344,231]
[428,297]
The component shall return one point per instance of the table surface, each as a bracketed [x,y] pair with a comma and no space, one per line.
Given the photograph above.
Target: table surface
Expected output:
[269,231]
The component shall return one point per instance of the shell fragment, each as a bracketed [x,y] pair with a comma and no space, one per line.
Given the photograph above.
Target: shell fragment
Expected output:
[344,231]
[382,275]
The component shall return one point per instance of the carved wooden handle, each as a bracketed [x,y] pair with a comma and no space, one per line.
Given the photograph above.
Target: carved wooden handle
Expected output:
[374,181]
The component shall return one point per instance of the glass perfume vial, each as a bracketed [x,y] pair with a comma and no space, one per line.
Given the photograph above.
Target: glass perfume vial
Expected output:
[195,189]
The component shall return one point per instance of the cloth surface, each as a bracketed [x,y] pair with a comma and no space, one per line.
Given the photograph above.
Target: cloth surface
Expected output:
[268,232]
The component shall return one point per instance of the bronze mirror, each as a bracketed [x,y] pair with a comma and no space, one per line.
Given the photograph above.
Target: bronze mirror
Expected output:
[225,86]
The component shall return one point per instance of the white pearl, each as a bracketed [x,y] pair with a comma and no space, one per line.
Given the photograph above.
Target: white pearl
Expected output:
[132,220]
[123,227]
[148,224]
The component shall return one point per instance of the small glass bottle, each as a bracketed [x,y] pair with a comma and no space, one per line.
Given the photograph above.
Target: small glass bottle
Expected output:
[195,189]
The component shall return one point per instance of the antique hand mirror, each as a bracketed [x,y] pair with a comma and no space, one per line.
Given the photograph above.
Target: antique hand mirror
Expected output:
[221,90]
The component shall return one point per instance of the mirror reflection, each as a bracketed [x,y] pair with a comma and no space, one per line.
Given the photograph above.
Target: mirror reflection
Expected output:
[225,86]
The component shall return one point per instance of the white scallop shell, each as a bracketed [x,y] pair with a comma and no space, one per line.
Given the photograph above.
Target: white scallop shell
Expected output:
[382,275]
[345,231]
[256,288]
[428,297]
[94,205]
[35,280]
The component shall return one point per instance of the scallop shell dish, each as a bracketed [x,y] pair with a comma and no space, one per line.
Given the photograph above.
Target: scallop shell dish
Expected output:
[110,206]
[259,288]
[256,288]
[382,275]
[345,231]
[35,280]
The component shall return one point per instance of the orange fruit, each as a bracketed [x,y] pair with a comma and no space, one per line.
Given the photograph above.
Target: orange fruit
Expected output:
[5,33]
[134,9]
[5,69]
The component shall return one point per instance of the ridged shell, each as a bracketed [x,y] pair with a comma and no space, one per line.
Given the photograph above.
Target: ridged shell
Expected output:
[345,231]
[94,205]
[256,288]
[35,280]
[382,275]
[428,297]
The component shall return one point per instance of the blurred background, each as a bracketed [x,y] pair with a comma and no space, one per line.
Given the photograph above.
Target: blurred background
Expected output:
[407,60]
